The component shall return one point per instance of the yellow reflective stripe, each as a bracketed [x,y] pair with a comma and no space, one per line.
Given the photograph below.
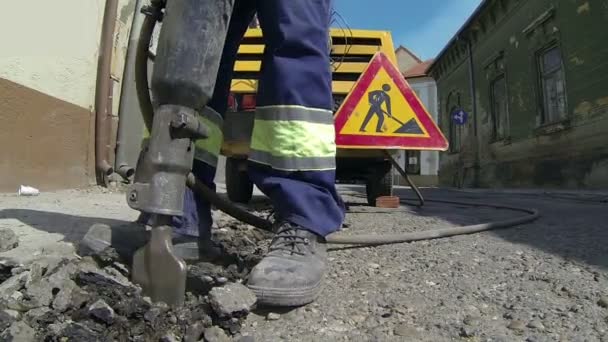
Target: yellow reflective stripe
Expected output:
[293,164]
[213,143]
[281,144]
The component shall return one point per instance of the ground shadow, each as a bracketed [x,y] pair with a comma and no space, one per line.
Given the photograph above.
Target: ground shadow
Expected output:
[72,227]
[571,227]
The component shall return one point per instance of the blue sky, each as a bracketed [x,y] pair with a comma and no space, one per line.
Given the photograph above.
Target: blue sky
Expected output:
[423,26]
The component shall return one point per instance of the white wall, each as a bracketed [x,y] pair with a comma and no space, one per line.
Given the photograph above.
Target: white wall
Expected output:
[52,46]
[426,89]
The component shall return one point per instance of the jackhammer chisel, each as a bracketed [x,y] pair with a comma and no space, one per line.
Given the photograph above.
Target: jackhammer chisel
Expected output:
[189,49]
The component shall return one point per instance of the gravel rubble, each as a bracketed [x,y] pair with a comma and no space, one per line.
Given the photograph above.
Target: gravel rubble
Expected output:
[545,281]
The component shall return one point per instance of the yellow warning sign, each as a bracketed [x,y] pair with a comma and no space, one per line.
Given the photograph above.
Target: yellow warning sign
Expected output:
[382,110]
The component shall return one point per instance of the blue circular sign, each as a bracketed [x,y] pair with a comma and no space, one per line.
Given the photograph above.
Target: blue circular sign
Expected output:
[460,117]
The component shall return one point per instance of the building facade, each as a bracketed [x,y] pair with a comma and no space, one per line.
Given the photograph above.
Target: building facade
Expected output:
[406,59]
[48,72]
[523,90]
[423,166]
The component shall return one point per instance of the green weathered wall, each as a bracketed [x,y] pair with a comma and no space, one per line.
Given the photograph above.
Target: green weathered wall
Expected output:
[573,154]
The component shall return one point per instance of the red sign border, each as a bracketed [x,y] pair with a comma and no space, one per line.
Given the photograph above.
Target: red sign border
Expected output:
[435,141]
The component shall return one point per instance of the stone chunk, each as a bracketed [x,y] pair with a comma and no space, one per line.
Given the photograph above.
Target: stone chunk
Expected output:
[35,314]
[78,298]
[12,284]
[63,299]
[8,240]
[194,332]
[77,332]
[6,319]
[41,291]
[233,299]
[273,316]
[215,334]
[18,332]
[102,278]
[102,311]
[169,338]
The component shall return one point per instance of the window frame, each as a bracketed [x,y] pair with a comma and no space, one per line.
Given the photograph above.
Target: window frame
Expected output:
[505,134]
[542,76]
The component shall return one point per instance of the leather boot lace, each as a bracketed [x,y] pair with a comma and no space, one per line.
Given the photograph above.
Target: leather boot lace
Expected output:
[287,240]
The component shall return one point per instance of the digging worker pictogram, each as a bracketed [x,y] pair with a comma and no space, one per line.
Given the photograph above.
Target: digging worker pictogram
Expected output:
[377,98]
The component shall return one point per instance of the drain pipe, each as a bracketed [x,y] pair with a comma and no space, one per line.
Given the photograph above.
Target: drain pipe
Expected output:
[103,92]
[473,90]
[129,113]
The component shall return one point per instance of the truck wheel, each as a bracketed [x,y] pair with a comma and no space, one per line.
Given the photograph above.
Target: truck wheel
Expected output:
[378,185]
[238,184]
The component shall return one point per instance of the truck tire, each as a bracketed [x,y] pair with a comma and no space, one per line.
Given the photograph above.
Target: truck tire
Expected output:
[238,184]
[378,185]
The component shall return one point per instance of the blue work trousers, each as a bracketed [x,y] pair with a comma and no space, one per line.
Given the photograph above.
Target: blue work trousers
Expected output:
[295,72]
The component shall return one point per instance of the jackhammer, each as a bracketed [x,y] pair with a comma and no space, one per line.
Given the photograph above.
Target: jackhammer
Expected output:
[186,64]
[188,55]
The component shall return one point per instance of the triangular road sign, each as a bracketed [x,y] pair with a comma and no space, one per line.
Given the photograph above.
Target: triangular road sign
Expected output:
[382,111]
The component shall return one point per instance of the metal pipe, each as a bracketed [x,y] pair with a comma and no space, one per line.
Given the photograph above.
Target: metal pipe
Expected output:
[129,115]
[103,94]
[473,90]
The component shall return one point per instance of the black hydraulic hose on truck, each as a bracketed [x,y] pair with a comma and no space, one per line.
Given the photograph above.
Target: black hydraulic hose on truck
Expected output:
[143,94]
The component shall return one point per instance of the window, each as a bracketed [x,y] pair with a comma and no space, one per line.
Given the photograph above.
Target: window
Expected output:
[454,132]
[553,88]
[498,100]
[412,162]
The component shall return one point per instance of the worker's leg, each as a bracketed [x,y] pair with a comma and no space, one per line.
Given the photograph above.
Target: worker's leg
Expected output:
[380,123]
[197,210]
[293,149]
[368,118]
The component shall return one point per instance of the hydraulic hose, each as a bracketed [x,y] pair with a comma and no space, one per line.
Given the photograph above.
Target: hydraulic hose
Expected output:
[373,239]
[141,67]
[143,94]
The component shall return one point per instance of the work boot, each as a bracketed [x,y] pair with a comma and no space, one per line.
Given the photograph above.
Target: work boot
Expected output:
[291,272]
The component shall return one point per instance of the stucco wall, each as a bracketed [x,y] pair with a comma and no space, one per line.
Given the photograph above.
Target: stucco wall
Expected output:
[48,64]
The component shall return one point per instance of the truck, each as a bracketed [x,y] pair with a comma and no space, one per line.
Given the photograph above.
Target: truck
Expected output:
[351,51]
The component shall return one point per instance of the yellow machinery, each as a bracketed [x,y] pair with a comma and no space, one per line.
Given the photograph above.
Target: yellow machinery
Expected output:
[351,52]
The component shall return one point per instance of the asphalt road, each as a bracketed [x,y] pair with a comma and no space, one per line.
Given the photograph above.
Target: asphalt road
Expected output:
[544,281]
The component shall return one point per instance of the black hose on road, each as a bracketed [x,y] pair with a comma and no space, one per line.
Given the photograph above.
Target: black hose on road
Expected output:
[143,92]
[372,239]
